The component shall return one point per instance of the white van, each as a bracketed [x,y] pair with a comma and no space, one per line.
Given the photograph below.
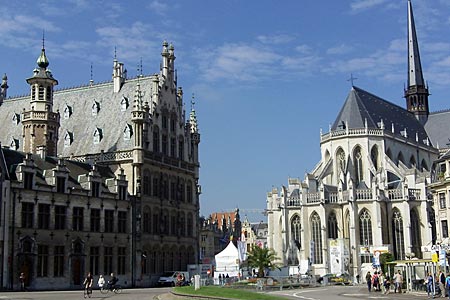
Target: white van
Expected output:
[170,278]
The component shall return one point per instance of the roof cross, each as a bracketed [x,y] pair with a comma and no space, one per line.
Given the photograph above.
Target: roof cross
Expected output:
[351,79]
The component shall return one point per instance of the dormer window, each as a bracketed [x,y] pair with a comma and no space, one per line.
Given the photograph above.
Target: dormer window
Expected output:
[60,184]
[68,139]
[16,118]
[95,189]
[128,132]
[14,144]
[98,135]
[28,180]
[124,103]
[67,111]
[95,108]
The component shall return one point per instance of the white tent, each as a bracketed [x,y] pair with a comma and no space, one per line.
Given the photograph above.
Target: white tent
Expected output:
[227,261]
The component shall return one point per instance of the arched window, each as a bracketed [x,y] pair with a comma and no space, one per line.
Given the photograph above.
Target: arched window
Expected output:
[365,234]
[357,160]
[147,220]
[332,226]
[424,165]
[190,225]
[341,161]
[295,231]
[416,240]
[400,158]
[347,225]
[398,234]
[374,157]
[316,237]
[412,161]
[389,153]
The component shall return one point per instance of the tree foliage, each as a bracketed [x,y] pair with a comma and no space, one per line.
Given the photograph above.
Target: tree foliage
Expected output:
[261,259]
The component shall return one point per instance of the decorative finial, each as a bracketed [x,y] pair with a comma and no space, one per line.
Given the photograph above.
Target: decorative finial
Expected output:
[193,102]
[43,39]
[92,75]
[351,79]
[115,53]
[140,68]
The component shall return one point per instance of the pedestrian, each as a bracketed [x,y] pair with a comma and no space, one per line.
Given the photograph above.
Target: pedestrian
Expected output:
[429,281]
[447,285]
[22,281]
[220,279]
[442,283]
[387,285]
[369,281]
[88,281]
[382,279]
[398,281]
[101,281]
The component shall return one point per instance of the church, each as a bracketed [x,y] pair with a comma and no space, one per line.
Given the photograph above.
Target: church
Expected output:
[102,177]
[370,192]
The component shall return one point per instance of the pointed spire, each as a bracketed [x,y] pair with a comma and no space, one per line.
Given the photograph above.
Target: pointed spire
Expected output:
[415,75]
[416,93]
[193,117]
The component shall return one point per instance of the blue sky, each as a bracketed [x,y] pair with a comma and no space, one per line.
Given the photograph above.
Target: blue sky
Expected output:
[267,75]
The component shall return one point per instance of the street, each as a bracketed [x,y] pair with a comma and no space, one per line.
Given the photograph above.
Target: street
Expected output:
[318,293]
[129,294]
[338,292]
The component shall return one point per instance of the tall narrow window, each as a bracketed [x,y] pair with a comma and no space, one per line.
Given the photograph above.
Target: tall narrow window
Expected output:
[316,237]
[156,140]
[95,189]
[296,227]
[374,156]
[173,147]
[95,220]
[121,260]
[416,240]
[357,160]
[146,183]
[332,226]
[155,186]
[42,261]
[60,184]
[58,261]
[27,214]
[60,217]
[77,219]
[109,220]
[189,192]
[122,222]
[442,203]
[181,149]
[365,234]
[107,260]
[27,180]
[398,235]
[190,225]
[122,192]
[444,229]
[164,144]
[147,224]
[43,216]
[94,259]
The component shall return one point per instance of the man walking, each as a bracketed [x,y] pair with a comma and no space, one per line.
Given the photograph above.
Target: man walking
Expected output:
[398,280]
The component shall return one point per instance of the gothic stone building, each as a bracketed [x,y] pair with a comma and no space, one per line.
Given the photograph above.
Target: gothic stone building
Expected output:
[369,193]
[134,130]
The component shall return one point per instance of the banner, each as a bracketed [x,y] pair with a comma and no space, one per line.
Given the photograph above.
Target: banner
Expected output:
[242,250]
[336,248]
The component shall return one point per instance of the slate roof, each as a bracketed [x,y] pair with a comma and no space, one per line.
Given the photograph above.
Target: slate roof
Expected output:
[361,106]
[14,158]
[437,127]
[82,123]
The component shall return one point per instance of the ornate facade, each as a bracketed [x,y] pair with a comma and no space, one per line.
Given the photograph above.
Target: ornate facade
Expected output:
[369,193]
[138,217]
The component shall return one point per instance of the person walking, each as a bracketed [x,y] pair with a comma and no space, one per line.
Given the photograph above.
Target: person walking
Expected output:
[398,281]
[429,281]
[442,283]
[88,285]
[369,281]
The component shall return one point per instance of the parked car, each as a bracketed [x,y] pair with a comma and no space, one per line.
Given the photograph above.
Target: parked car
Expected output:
[172,278]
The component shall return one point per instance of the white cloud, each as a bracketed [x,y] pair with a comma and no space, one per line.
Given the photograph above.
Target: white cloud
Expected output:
[361,5]
[341,49]
[158,7]
[275,39]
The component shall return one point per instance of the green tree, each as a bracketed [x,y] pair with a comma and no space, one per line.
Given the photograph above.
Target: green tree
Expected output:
[262,258]
[385,258]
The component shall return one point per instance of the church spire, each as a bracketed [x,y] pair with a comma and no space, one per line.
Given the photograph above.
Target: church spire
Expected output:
[416,93]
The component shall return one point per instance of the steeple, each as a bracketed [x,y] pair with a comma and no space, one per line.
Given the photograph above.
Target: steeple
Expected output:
[40,123]
[416,93]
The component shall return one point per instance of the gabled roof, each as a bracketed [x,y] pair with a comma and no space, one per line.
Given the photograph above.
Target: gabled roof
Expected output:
[437,128]
[361,107]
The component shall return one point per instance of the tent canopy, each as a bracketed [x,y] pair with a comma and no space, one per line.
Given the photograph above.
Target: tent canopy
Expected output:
[227,261]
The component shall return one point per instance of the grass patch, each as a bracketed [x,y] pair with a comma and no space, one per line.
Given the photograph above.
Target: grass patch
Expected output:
[225,292]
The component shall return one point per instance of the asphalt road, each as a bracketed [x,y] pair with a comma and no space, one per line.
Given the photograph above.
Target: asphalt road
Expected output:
[128,294]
